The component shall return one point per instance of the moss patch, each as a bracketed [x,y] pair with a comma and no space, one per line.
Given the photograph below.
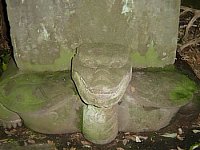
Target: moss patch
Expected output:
[150,59]
[168,68]
[62,63]
[30,92]
[183,91]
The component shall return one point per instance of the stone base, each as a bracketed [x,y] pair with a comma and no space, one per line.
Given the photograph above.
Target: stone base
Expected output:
[153,98]
[48,102]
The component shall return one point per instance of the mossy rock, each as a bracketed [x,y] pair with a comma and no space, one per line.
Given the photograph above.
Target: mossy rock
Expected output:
[161,88]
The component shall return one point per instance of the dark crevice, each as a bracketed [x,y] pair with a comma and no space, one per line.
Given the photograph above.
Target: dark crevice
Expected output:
[5,28]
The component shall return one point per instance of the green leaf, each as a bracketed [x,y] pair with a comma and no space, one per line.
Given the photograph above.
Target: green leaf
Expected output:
[4,66]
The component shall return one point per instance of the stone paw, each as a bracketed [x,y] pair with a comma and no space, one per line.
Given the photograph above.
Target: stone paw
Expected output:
[10,119]
[12,123]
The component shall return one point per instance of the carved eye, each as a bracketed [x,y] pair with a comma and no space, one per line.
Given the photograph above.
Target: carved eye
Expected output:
[116,64]
[89,63]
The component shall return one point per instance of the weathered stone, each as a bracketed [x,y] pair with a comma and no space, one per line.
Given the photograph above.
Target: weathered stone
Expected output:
[148,28]
[153,98]
[101,76]
[45,35]
[100,125]
[45,32]
[138,118]
[46,102]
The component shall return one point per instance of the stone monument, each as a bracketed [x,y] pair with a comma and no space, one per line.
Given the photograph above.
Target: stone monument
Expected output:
[79,67]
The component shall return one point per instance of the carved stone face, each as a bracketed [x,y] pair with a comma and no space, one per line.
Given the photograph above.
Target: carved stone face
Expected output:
[101,73]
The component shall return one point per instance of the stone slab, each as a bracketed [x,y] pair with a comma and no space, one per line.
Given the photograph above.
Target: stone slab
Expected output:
[42,33]
[153,98]
[45,33]
[48,102]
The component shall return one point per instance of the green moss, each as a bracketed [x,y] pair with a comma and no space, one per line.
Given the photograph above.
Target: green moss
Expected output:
[30,92]
[62,63]
[169,68]
[183,91]
[151,58]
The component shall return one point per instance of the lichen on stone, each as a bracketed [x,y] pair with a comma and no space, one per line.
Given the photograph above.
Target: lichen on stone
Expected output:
[150,59]
[183,91]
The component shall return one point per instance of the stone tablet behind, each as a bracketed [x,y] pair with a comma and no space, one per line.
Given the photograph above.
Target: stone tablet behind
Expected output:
[46,33]
[42,33]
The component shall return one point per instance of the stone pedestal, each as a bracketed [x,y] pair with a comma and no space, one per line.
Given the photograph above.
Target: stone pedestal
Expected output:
[45,36]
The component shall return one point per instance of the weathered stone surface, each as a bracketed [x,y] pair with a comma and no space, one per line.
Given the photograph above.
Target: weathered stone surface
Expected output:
[101,76]
[42,33]
[46,102]
[100,125]
[153,98]
[45,32]
[148,28]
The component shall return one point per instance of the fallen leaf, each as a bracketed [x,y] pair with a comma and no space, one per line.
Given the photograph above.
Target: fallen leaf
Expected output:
[87,146]
[196,131]
[127,133]
[137,139]
[143,137]
[50,142]
[129,137]
[180,138]
[10,132]
[85,143]
[193,147]
[31,141]
[119,148]
[125,141]
[4,140]
[178,148]
[170,135]
[180,131]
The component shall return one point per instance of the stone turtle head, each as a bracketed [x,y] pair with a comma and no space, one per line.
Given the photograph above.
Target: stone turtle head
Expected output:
[101,73]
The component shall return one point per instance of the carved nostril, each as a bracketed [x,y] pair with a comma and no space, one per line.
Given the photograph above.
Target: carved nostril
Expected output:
[102,75]
[102,71]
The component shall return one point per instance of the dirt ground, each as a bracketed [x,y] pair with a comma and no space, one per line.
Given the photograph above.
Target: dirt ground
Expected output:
[183,133]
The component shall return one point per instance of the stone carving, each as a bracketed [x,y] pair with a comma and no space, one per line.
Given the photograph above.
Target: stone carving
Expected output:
[110,38]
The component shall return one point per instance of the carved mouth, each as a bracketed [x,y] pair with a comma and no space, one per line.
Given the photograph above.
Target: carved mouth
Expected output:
[105,93]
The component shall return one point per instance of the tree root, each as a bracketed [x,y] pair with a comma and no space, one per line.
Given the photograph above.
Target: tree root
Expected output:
[188,46]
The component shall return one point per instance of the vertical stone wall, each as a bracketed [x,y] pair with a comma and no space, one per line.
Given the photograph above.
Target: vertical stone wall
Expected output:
[45,33]
[148,28]
[42,32]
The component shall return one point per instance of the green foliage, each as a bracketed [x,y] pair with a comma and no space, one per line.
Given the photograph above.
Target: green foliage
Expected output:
[151,58]
[4,57]
[183,91]
[195,146]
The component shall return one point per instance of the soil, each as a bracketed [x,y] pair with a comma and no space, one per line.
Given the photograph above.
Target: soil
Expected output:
[183,133]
